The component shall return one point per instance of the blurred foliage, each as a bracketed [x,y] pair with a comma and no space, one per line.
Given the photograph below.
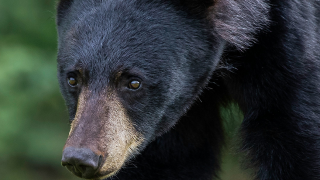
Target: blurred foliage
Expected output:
[33,117]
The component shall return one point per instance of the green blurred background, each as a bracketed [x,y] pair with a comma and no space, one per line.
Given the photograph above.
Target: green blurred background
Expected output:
[33,117]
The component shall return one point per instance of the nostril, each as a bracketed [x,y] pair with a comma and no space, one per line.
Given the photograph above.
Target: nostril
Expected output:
[81,161]
[66,164]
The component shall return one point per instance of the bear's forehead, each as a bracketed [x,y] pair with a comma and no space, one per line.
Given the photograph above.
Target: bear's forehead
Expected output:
[113,47]
[111,37]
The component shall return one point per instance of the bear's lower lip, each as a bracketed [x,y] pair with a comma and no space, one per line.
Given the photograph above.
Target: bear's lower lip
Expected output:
[101,177]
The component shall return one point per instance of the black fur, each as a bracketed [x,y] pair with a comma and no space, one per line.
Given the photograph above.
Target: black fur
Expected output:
[272,47]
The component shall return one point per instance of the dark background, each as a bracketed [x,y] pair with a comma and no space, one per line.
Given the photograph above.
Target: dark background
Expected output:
[33,117]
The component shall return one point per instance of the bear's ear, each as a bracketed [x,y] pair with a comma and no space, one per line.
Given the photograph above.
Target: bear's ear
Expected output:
[62,9]
[236,21]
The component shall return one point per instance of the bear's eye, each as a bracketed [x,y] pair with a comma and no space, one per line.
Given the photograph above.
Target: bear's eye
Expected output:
[72,81]
[134,85]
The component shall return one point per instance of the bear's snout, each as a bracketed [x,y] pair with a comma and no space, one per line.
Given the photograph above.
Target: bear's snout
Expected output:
[82,162]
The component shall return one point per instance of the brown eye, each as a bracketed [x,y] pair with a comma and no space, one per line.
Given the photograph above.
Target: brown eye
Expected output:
[72,81]
[134,84]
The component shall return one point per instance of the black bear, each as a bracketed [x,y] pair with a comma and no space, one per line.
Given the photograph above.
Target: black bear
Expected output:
[144,80]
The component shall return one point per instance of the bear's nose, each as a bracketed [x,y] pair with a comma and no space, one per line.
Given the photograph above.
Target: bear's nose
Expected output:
[82,162]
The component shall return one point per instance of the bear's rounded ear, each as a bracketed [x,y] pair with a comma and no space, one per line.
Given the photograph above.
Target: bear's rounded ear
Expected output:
[62,9]
[236,21]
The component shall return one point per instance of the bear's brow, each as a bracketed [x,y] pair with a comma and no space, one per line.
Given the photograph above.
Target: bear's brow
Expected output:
[77,66]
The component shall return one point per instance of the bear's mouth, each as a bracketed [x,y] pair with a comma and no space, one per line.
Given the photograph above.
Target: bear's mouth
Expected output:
[107,165]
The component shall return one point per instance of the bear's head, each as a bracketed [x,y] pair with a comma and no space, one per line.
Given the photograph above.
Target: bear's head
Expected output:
[128,70]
